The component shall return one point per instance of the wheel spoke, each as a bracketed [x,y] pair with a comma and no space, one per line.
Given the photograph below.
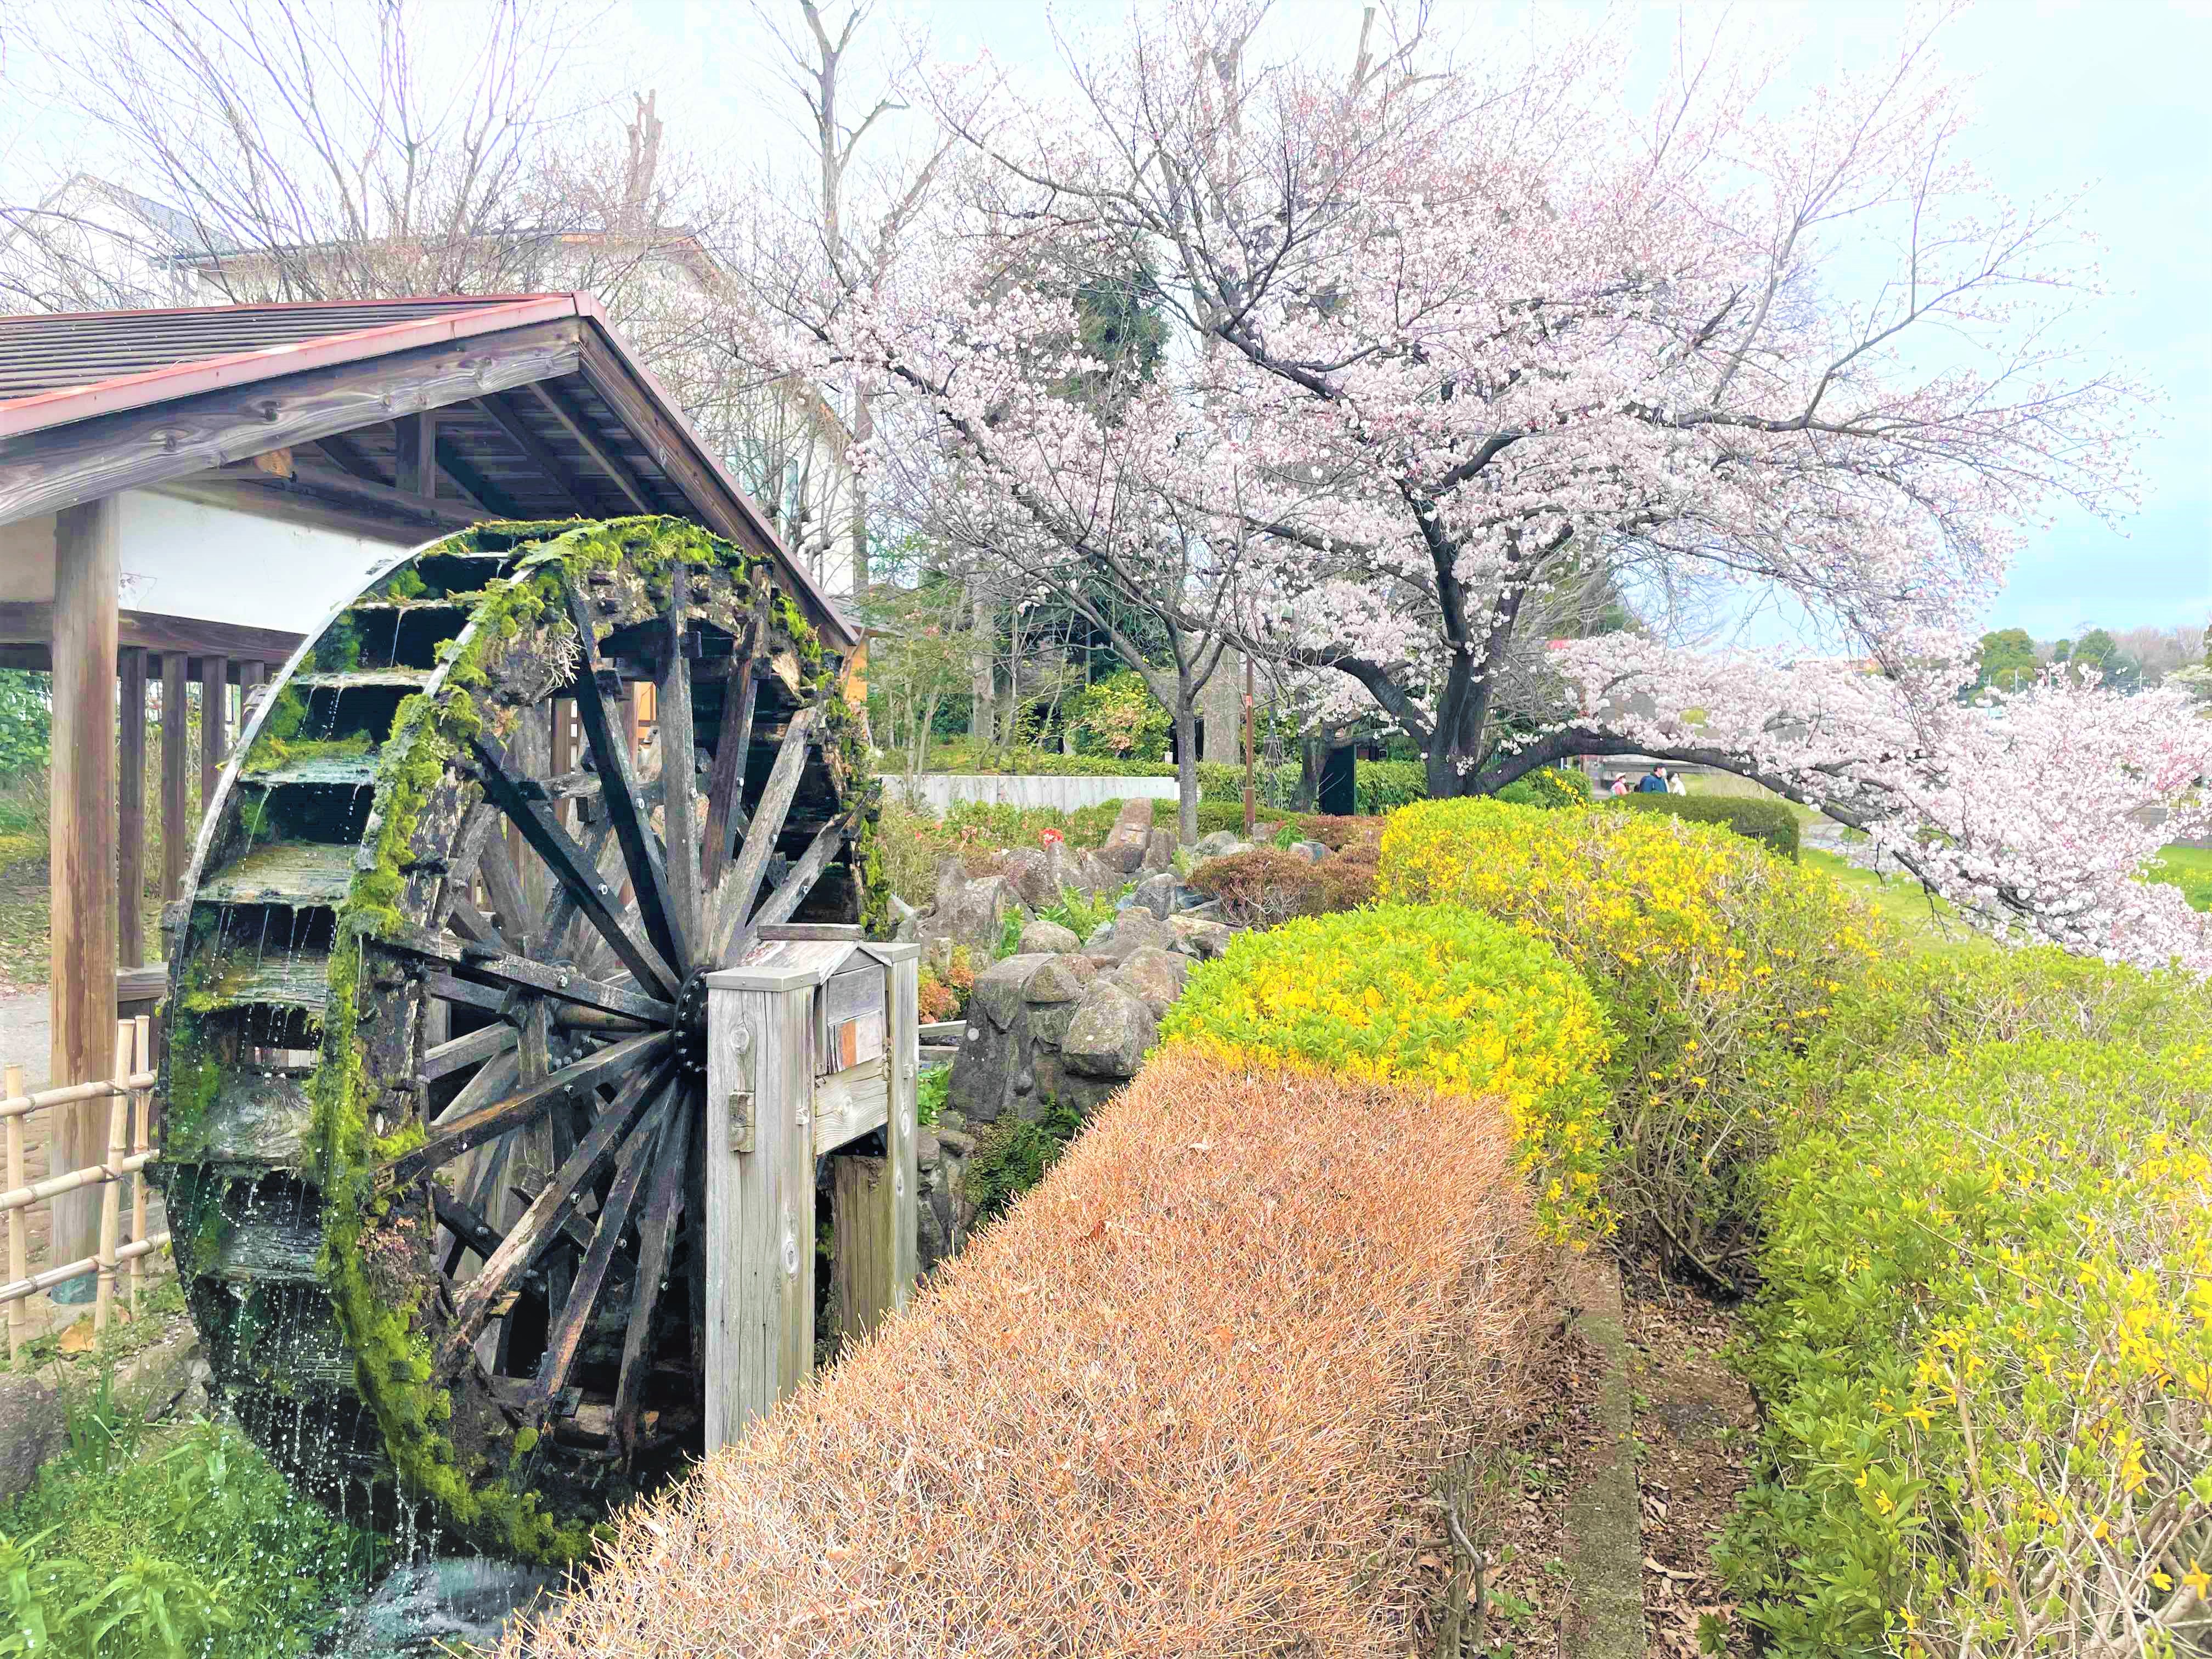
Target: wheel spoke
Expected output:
[792,892]
[575,869]
[446,1058]
[542,1220]
[726,784]
[457,1135]
[741,885]
[656,1233]
[618,792]
[510,909]
[679,763]
[570,1323]
[485,966]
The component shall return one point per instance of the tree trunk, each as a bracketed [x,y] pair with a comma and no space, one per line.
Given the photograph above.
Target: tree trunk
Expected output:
[983,707]
[1186,730]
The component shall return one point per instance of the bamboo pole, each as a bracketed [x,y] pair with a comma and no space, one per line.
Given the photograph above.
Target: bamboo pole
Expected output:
[110,1191]
[142,1101]
[19,1223]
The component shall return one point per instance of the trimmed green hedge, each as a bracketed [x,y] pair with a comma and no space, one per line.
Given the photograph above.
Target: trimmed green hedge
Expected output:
[1550,786]
[1768,822]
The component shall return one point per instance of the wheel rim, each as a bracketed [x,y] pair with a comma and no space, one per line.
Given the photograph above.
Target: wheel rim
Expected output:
[435,1037]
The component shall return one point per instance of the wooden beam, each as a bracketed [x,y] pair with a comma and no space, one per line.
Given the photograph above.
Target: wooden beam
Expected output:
[571,418]
[80,846]
[324,498]
[346,455]
[138,448]
[214,723]
[503,415]
[176,734]
[131,810]
[30,621]
[415,456]
[473,483]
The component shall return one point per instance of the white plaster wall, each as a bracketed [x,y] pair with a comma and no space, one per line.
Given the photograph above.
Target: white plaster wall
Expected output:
[939,790]
[26,560]
[186,559]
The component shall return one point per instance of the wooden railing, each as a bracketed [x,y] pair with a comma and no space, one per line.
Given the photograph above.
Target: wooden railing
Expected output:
[129,1151]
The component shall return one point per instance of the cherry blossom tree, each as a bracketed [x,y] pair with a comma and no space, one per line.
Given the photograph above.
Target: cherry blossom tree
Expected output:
[2034,812]
[1464,332]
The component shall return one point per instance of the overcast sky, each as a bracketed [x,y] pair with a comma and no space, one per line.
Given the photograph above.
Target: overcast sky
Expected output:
[2113,97]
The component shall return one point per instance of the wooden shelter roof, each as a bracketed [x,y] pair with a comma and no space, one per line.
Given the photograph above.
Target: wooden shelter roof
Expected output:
[402,419]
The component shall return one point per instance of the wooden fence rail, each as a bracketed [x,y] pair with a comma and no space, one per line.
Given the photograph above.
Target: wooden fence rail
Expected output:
[130,1150]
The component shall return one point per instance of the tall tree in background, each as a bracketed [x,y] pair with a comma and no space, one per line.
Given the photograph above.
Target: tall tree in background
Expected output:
[2008,660]
[1466,327]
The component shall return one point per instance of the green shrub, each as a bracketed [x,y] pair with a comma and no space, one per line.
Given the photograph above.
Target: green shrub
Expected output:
[1426,994]
[1119,717]
[1380,785]
[150,1542]
[1767,822]
[1711,957]
[27,721]
[1012,1155]
[1548,786]
[1985,1344]
[1272,788]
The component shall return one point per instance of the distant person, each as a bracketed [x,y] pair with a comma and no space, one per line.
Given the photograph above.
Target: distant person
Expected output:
[1653,782]
[1675,785]
[1619,783]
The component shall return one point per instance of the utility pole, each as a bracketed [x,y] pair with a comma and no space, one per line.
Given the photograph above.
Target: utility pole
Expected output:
[1248,814]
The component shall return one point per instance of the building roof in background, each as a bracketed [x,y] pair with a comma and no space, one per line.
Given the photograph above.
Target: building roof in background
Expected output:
[535,407]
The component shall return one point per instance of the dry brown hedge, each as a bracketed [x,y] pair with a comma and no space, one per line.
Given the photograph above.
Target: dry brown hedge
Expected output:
[1187,1398]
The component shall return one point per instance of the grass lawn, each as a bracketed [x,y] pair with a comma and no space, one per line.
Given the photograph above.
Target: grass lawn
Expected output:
[2189,868]
[1931,926]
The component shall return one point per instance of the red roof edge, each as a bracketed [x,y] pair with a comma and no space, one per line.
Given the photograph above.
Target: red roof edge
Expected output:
[58,408]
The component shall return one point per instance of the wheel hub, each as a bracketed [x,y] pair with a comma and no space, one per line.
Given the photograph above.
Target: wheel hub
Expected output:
[690,1023]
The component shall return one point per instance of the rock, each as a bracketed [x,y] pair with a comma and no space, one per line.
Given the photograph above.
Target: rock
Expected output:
[34,1427]
[1194,936]
[1061,980]
[1089,874]
[1311,851]
[1100,934]
[1160,850]
[1047,939]
[1110,1033]
[906,921]
[1134,929]
[1130,837]
[1220,844]
[972,913]
[1030,870]
[984,1070]
[463,1604]
[1155,975]
[999,989]
[1157,894]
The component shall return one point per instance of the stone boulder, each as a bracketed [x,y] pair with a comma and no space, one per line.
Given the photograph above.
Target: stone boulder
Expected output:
[1199,938]
[1130,838]
[1047,939]
[1134,929]
[1160,850]
[1110,1033]
[1157,976]
[972,913]
[1219,845]
[1157,894]
[1311,851]
[34,1427]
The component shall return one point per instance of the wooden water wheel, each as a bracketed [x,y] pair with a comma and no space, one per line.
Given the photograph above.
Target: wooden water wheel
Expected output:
[435,1072]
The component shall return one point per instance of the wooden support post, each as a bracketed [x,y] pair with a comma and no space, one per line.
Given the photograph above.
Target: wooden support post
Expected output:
[131,810]
[874,1258]
[19,1223]
[415,438]
[215,724]
[760,1193]
[110,1190]
[176,736]
[250,675]
[81,845]
[142,1140]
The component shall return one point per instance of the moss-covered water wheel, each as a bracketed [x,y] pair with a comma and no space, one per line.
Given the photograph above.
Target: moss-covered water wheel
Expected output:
[435,1077]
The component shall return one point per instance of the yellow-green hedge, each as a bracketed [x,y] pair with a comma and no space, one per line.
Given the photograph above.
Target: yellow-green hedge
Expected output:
[1432,994]
[1709,955]
[1985,1344]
